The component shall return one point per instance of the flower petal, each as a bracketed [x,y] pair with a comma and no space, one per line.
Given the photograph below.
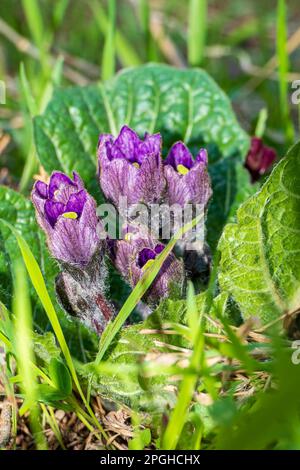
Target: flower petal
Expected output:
[178,191]
[150,179]
[198,182]
[42,189]
[59,181]
[179,154]
[145,255]
[126,144]
[118,179]
[53,210]
[76,202]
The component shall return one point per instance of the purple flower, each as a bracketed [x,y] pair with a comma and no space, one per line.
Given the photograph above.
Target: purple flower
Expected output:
[67,214]
[133,255]
[131,167]
[259,158]
[187,179]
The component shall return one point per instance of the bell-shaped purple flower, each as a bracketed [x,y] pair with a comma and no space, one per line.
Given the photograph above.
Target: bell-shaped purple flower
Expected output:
[131,167]
[134,254]
[259,159]
[67,214]
[187,179]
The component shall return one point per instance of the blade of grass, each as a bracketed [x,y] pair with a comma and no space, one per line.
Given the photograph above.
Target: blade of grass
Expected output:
[108,59]
[188,384]
[144,13]
[125,52]
[53,424]
[59,10]
[81,414]
[24,352]
[283,69]
[139,290]
[38,282]
[34,20]
[261,123]
[196,31]
[37,30]
[36,107]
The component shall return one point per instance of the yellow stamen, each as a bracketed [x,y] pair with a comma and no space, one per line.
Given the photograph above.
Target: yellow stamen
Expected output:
[136,164]
[70,215]
[183,170]
[148,264]
[128,237]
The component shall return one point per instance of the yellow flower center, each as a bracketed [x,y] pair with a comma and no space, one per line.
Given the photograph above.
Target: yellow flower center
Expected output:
[136,164]
[70,215]
[183,170]
[148,264]
[128,237]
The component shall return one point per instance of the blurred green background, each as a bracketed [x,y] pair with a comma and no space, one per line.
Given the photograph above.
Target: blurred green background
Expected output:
[251,48]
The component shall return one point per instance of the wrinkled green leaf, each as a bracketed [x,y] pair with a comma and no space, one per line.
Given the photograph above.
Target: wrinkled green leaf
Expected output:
[260,254]
[60,376]
[181,104]
[45,347]
[123,377]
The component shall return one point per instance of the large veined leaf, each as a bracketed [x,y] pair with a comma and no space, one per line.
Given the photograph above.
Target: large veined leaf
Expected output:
[19,212]
[123,375]
[181,104]
[260,254]
[120,377]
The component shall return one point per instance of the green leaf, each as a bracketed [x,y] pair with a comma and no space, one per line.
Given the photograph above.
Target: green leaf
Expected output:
[181,104]
[45,347]
[50,395]
[123,376]
[60,376]
[260,253]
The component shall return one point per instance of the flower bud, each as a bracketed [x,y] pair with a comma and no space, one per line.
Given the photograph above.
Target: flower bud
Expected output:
[187,179]
[130,167]
[67,214]
[134,254]
[259,159]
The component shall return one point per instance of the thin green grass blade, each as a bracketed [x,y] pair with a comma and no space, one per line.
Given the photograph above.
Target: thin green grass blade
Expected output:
[283,68]
[24,352]
[125,52]
[139,290]
[261,123]
[31,159]
[53,424]
[34,20]
[108,59]
[144,13]
[188,384]
[38,282]
[26,92]
[197,31]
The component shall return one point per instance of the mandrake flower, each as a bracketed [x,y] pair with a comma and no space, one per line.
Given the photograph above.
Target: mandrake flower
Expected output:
[259,159]
[134,254]
[187,179]
[131,167]
[67,214]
